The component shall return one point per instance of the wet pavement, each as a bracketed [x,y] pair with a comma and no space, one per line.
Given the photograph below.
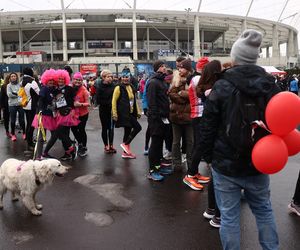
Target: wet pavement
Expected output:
[106,202]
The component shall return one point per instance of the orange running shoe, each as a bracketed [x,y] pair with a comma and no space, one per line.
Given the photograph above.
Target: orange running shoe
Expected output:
[192,183]
[201,178]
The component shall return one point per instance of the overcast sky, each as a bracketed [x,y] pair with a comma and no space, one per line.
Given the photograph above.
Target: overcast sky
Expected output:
[266,9]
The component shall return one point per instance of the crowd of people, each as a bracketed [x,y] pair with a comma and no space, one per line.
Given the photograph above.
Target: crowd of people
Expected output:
[189,110]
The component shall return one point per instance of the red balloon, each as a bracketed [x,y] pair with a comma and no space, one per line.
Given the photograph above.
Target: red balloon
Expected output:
[292,141]
[283,113]
[270,154]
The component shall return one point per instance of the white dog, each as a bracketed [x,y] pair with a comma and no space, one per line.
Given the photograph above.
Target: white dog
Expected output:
[26,178]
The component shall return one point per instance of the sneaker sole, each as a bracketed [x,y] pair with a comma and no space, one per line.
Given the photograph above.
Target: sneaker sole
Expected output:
[191,186]
[293,210]
[203,182]
[128,157]
[150,178]
[127,152]
[214,224]
[207,216]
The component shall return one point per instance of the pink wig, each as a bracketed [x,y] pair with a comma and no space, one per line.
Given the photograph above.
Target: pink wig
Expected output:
[61,73]
[77,75]
[49,74]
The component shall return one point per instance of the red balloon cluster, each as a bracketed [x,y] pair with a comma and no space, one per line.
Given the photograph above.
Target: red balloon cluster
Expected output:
[270,153]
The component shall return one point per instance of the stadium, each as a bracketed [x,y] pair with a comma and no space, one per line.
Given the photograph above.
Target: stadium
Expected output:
[134,36]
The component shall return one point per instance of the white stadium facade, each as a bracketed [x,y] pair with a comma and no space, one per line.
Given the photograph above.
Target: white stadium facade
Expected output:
[141,35]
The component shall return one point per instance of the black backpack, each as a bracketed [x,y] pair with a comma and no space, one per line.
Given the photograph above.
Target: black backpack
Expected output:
[245,119]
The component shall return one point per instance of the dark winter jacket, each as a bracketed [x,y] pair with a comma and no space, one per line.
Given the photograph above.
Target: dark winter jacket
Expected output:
[158,101]
[251,80]
[45,103]
[104,93]
[123,107]
[4,97]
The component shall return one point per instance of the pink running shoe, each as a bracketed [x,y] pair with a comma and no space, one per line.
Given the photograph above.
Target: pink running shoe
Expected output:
[13,137]
[128,156]
[126,148]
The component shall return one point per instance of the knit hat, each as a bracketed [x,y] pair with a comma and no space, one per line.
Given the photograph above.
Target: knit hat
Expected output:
[157,65]
[202,62]
[28,71]
[246,48]
[186,64]
[77,75]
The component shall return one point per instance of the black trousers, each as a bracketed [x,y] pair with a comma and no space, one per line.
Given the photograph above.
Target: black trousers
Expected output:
[62,133]
[107,124]
[147,138]
[51,141]
[132,131]
[29,129]
[168,137]
[196,155]
[211,198]
[64,136]
[155,152]
[296,197]
[79,130]
[6,119]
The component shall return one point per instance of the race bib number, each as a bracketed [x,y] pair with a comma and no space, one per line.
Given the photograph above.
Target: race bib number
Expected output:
[61,102]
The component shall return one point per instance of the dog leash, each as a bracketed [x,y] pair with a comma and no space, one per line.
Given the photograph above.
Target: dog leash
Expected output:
[40,130]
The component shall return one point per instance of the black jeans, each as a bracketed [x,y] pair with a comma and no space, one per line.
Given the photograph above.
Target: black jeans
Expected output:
[13,110]
[296,197]
[79,130]
[132,131]
[196,155]
[107,124]
[29,129]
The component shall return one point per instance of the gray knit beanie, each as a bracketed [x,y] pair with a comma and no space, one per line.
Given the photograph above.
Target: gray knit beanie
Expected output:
[246,48]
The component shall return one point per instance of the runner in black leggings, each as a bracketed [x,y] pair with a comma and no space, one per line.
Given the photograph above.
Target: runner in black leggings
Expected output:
[104,94]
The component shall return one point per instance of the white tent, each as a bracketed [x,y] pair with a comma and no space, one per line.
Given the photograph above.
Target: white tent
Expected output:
[272,70]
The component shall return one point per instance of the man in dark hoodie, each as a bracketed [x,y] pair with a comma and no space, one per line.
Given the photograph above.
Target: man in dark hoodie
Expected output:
[158,114]
[233,171]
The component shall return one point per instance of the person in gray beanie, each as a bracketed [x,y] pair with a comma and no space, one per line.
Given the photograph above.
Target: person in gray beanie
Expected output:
[246,49]
[241,87]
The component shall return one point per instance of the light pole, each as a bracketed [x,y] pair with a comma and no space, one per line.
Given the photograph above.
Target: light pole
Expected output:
[188,31]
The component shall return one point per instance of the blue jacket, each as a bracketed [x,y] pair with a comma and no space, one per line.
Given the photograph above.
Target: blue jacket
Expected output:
[145,100]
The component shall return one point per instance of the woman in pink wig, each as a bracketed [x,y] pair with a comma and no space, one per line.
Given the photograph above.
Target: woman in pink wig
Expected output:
[45,107]
[65,115]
